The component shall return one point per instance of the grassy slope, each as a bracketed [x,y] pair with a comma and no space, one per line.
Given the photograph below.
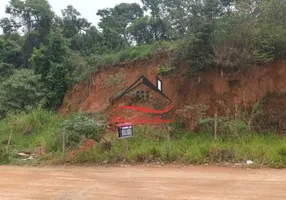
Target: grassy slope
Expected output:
[97,62]
[190,148]
[41,128]
[38,128]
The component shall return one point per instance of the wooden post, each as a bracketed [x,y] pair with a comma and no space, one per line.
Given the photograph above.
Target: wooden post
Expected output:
[9,140]
[126,146]
[215,126]
[64,142]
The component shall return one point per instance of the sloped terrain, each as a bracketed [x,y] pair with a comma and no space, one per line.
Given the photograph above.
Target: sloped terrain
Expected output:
[220,92]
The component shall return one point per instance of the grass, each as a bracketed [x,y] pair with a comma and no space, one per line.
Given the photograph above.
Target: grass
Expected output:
[40,131]
[41,128]
[189,148]
[38,128]
[97,62]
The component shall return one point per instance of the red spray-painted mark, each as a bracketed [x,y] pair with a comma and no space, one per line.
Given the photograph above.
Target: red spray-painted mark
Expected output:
[138,121]
[146,110]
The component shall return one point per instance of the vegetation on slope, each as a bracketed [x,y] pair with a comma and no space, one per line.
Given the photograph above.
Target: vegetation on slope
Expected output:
[149,146]
[40,134]
[64,49]
[42,130]
[96,62]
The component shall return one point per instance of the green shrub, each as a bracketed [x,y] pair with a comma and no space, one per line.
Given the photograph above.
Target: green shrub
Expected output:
[81,126]
[282,152]
[22,91]
[165,70]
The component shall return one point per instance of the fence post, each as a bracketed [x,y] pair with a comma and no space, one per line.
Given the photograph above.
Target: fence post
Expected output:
[9,140]
[215,126]
[64,142]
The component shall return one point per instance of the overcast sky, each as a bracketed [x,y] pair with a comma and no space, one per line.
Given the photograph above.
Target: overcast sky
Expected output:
[87,8]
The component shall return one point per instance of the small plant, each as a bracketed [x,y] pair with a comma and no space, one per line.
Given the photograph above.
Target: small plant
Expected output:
[80,127]
[4,156]
[105,146]
[220,154]
[165,70]
[282,152]
[192,114]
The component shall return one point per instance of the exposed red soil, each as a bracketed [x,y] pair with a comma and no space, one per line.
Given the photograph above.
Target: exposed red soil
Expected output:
[213,88]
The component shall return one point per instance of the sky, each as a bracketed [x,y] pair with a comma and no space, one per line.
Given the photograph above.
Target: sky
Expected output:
[87,8]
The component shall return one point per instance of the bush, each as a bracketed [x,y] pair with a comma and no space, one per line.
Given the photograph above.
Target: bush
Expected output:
[165,70]
[81,126]
[20,92]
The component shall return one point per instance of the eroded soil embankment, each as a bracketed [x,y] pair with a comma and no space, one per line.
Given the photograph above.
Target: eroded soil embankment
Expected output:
[215,89]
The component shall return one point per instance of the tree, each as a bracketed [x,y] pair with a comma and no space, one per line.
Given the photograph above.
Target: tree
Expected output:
[112,41]
[10,57]
[22,91]
[89,42]
[178,14]
[199,49]
[141,31]
[159,25]
[72,23]
[115,21]
[49,61]
[269,32]
[146,30]
[153,6]
[33,17]
[10,53]
[6,70]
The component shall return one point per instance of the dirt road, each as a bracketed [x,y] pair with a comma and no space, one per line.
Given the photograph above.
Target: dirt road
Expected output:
[168,183]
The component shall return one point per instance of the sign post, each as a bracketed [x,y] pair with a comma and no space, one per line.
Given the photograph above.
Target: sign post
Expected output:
[125,130]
